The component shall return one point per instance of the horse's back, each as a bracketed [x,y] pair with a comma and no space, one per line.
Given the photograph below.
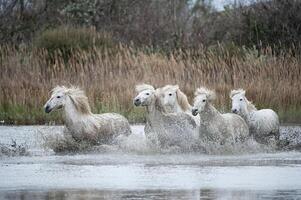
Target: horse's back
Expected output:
[237,126]
[265,120]
[118,124]
[264,126]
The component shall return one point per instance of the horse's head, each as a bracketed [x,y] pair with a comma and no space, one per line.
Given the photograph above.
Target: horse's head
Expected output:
[239,100]
[168,95]
[203,96]
[146,93]
[57,99]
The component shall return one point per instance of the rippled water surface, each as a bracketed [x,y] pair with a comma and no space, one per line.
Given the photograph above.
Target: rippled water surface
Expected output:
[139,175]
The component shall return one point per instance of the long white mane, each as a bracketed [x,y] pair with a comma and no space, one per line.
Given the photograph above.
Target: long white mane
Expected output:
[142,87]
[210,94]
[181,97]
[85,125]
[77,96]
[250,105]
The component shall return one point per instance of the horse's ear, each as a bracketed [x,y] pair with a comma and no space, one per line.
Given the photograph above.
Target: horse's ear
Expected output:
[244,92]
[176,87]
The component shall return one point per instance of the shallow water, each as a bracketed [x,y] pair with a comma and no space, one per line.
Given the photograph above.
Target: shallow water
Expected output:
[139,175]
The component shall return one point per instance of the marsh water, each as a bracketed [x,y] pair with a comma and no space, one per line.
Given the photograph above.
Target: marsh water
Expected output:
[132,174]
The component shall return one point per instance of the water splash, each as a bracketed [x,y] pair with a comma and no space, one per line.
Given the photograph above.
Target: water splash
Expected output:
[14,149]
[138,143]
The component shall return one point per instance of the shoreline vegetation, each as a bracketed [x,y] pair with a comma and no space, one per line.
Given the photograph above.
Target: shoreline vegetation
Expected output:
[109,71]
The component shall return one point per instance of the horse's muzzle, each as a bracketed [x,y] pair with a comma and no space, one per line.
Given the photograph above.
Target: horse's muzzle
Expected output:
[234,111]
[47,109]
[137,102]
[194,112]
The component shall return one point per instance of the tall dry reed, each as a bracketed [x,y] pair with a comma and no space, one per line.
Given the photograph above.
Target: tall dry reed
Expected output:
[109,78]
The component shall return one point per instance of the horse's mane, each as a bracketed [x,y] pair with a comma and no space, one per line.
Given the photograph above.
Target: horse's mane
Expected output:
[250,105]
[181,97]
[142,87]
[182,100]
[238,91]
[209,93]
[77,96]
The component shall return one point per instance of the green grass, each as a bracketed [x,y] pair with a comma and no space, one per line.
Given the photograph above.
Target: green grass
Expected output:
[21,115]
[291,115]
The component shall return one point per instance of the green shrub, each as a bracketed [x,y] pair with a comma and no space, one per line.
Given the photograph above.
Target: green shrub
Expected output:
[65,40]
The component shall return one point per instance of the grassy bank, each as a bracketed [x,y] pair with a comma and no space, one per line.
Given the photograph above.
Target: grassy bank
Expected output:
[27,75]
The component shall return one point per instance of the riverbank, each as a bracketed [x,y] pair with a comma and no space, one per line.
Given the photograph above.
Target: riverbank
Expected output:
[20,115]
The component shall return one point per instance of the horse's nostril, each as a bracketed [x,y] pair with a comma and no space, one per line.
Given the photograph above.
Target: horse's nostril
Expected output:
[137,102]
[194,112]
[47,109]
[234,110]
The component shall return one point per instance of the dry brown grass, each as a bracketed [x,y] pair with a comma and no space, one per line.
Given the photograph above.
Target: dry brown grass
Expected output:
[109,79]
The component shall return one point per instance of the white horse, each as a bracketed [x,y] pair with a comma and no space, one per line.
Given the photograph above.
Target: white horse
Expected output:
[263,124]
[165,129]
[214,126]
[175,101]
[80,122]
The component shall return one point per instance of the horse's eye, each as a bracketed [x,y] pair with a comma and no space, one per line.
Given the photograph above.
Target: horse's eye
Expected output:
[204,100]
[147,93]
[170,94]
[240,99]
[58,97]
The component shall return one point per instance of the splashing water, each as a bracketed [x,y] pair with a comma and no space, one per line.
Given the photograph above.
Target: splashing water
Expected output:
[132,167]
[137,142]
[50,139]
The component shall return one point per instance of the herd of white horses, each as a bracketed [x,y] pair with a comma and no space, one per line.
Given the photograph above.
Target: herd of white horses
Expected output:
[170,120]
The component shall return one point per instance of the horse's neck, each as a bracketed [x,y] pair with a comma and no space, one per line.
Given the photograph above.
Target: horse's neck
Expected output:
[209,114]
[72,115]
[154,112]
[176,108]
[245,113]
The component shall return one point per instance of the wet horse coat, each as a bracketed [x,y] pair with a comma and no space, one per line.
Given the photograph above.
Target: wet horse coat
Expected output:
[162,128]
[263,124]
[80,122]
[214,126]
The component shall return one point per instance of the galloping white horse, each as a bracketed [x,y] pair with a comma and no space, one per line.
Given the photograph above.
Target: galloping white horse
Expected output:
[175,101]
[80,122]
[263,124]
[162,128]
[214,126]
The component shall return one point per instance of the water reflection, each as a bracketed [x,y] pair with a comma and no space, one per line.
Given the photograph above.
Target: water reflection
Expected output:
[208,194]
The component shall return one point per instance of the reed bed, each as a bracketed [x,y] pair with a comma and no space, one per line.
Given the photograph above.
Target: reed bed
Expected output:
[109,77]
